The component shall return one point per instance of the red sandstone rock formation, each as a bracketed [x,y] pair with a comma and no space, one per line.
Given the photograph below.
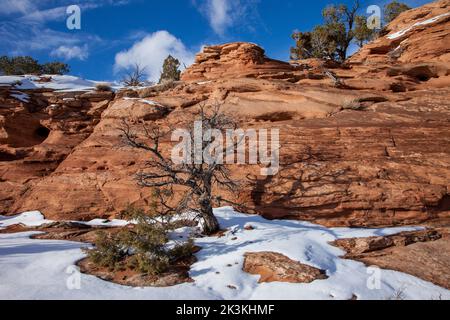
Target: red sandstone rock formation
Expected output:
[35,137]
[238,59]
[275,267]
[413,51]
[371,150]
[419,35]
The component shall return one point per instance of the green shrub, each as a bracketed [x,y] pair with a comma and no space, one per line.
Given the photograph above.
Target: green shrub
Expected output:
[55,68]
[21,65]
[141,248]
[147,241]
[393,10]
[145,237]
[108,252]
[182,250]
[152,265]
[170,70]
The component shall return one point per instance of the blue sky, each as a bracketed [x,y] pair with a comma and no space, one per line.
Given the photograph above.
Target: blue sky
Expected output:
[115,34]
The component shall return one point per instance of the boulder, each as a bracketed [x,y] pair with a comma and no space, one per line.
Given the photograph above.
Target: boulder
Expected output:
[275,267]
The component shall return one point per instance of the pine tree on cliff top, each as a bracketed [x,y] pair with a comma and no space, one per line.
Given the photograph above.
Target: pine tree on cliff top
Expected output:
[170,70]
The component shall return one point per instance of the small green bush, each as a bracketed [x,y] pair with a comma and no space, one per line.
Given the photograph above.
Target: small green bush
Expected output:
[141,248]
[145,238]
[182,250]
[149,265]
[55,68]
[108,252]
[27,65]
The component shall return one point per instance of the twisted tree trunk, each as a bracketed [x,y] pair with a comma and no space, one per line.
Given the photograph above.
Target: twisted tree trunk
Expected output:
[210,222]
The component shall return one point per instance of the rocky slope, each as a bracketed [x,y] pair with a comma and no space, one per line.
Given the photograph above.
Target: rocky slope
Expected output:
[364,144]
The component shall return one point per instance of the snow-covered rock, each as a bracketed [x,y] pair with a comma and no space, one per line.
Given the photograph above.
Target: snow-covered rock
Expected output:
[29,219]
[53,82]
[402,32]
[40,269]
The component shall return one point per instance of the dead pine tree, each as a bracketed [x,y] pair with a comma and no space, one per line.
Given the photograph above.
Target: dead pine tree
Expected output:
[135,77]
[197,174]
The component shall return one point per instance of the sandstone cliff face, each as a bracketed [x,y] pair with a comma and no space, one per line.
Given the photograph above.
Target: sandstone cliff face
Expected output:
[371,149]
[38,134]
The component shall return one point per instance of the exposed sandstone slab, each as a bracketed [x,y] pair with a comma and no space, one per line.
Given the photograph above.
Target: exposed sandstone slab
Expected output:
[424,254]
[275,267]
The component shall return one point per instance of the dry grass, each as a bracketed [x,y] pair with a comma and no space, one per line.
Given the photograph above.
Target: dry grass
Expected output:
[399,294]
[353,104]
[159,88]
[103,87]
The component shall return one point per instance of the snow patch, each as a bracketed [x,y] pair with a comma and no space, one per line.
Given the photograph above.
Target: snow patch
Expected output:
[29,219]
[23,97]
[203,82]
[149,102]
[401,33]
[107,223]
[10,80]
[63,83]
[42,273]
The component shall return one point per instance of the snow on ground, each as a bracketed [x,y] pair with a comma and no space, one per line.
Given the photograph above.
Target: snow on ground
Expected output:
[107,223]
[203,82]
[401,33]
[44,269]
[146,101]
[36,219]
[29,219]
[57,82]
[8,80]
[20,96]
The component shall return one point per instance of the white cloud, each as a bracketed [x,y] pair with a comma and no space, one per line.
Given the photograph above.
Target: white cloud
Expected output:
[150,52]
[58,13]
[218,12]
[69,53]
[224,14]
[24,27]
[34,9]
[16,6]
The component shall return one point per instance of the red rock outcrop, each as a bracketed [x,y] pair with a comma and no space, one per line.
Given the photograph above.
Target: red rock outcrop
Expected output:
[419,35]
[36,136]
[371,150]
[412,53]
[275,267]
[238,59]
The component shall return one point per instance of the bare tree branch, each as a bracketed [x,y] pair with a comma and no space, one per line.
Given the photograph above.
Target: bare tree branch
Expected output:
[198,180]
